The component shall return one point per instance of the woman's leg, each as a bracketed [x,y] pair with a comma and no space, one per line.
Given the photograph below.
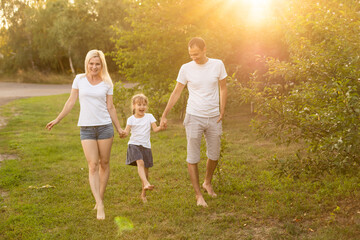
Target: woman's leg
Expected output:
[104,146]
[91,152]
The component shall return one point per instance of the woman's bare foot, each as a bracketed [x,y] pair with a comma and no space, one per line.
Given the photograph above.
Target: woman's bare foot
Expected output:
[149,187]
[200,201]
[100,212]
[208,188]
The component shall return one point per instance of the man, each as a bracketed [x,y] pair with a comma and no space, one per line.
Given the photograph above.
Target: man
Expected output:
[203,77]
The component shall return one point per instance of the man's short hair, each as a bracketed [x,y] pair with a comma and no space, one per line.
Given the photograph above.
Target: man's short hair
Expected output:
[198,42]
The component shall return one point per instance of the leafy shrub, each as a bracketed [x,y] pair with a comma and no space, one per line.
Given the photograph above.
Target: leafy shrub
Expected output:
[314,97]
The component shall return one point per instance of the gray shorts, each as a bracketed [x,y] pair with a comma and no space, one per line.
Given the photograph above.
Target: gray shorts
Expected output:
[197,126]
[97,132]
[138,152]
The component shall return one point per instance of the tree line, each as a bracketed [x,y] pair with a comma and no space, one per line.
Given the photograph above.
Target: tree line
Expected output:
[299,67]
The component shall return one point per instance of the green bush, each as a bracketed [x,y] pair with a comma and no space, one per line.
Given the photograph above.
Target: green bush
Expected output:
[314,97]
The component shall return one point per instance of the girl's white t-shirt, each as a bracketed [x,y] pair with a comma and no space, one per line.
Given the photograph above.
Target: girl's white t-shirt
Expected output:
[202,81]
[92,98]
[140,129]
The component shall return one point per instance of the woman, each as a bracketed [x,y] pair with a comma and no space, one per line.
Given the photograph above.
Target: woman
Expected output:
[97,116]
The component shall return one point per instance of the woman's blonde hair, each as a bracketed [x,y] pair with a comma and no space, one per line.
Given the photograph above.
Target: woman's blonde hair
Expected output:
[104,71]
[138,98]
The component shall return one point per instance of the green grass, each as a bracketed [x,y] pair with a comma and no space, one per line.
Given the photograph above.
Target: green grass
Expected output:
[253,203]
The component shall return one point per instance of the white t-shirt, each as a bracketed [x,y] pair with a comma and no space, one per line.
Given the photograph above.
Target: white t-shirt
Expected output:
[93,109]
[140,129]
[202,82]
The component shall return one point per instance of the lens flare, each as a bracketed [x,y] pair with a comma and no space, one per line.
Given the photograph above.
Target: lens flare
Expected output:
[124,224]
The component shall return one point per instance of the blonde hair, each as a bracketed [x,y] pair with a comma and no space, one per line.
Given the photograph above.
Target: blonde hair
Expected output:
[104,71]
[138,98]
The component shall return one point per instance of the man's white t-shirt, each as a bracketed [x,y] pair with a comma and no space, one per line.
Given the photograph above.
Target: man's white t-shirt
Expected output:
[92,98]
[140,129]
[202,82]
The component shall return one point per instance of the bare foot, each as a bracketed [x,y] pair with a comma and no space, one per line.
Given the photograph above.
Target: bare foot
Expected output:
[200,201]
[100,212]
[149,187]
[208,188]
[95,207]
[143,198]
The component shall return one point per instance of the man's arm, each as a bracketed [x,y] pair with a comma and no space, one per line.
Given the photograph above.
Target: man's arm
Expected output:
[174,97]
[223,98]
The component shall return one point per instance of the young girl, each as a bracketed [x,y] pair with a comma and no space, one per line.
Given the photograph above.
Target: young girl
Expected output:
[139,147]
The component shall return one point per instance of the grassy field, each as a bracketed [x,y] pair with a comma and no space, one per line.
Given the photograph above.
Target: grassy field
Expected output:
[252,203]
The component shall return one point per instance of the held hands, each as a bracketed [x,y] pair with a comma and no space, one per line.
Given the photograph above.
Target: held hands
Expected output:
[123,133]
[163,123]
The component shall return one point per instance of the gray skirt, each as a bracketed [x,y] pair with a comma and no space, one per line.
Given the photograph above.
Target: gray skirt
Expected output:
[138,152]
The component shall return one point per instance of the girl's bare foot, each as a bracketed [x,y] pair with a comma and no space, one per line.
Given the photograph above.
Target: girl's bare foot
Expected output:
[149,187]
[209,190]
[143,196]
[100,212]
[200,201]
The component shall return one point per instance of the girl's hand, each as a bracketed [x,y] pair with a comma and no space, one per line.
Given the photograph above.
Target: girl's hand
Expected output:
[122,134]
[51,124]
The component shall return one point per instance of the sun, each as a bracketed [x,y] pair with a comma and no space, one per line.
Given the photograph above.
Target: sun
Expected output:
[259,10]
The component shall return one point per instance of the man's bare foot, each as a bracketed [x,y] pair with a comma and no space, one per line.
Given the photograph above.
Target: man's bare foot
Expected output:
[200,201]
[208,188]
[100,212]
[149,187]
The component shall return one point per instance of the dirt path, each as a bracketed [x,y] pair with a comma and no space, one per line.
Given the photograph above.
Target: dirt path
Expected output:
[10,91]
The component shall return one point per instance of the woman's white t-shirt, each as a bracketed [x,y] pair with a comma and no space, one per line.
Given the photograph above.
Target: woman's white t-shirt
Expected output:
[92,98]
[140,129]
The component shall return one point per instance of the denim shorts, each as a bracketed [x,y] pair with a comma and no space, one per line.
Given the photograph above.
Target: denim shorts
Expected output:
[97,132]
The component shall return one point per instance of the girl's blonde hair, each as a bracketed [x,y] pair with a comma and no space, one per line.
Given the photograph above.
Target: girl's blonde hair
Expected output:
[104,71]
[138,98]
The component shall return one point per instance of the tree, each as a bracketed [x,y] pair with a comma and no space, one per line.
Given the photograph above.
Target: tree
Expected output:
[314,97]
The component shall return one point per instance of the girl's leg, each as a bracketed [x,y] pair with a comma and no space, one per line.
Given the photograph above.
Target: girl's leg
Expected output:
[104,146]
[143,192]
[142,174]
[91,152]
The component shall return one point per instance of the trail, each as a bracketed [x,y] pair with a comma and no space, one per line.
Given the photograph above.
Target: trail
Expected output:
[10,91]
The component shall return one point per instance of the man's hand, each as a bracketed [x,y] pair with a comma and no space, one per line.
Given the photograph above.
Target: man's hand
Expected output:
[163,123]
[220,118]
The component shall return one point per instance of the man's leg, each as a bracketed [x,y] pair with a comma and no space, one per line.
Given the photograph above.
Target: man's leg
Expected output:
[194,178]
[194,130]
[210,169]
[213,144]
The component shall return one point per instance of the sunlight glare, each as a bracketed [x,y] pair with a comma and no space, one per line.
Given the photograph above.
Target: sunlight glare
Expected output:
[259,10]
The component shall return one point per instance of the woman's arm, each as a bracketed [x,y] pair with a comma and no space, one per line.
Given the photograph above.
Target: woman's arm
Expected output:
[112,111]
[67,108]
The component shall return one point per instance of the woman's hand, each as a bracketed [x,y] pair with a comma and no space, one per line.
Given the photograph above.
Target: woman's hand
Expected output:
[51,124]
